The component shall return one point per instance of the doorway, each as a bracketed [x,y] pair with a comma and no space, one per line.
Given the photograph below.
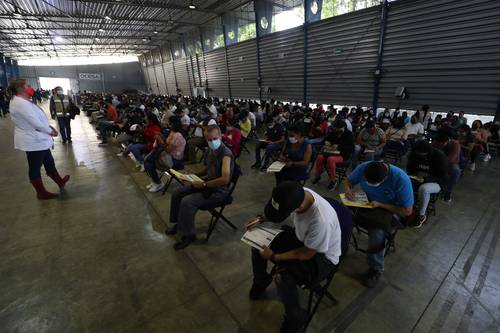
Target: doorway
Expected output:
[49,83]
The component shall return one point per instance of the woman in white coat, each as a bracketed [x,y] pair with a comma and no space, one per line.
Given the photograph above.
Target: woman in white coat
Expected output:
[34,135]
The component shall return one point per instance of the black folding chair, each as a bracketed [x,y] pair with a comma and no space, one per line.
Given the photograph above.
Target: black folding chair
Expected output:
[217,210]
[390,238]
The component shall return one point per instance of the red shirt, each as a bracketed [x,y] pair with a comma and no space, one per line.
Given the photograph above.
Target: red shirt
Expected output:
[233,139]
[149,133]
[111,113]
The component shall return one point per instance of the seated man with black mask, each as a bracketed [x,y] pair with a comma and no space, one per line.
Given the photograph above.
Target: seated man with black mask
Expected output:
[305,254]
[389,191]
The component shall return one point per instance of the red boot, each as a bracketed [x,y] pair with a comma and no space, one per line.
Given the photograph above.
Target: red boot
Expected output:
[59,181]
[41,192]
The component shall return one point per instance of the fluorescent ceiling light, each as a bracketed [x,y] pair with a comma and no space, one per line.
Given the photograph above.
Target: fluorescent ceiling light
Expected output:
[155,32]
[58,39]
[191,5]
[101,30]
[107,18]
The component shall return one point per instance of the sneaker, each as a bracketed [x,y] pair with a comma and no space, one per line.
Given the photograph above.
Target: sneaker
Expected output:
[149,185]
[64,142]
[70,141]
[120,154]
[316,180]
[372,278]
[472,167]
[258,289]
[420,221]
[184,242]
[141,169]
[156,187]
[447,197]
[138,165]
[263,169]
[332,185]
[103,144]
[255,166]
[487,157]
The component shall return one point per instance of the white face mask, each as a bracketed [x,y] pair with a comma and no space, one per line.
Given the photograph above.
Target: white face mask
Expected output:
[293,140]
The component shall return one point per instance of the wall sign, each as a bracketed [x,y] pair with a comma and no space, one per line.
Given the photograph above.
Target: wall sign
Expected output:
[89,76]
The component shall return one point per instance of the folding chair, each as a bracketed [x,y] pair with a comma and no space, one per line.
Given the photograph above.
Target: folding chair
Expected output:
[217,210]
[431,207]
[390,238]
[319,289]
[243,146]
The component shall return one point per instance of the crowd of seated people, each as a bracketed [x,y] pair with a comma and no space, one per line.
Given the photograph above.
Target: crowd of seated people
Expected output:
[176,129]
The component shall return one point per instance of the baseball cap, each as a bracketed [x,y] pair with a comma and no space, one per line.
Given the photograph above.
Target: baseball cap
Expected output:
[286,197]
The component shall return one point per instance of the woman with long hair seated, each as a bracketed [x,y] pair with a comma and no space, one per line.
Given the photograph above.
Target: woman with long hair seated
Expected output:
[232,137]
[167,153]
[151,129]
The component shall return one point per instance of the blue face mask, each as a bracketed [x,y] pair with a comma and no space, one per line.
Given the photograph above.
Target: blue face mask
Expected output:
[214,144]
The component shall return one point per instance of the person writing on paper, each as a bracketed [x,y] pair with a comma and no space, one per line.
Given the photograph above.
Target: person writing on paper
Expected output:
[185,202]
[304,254]
[339,145]
[296,155]
[390,193]
[428,168]
[34,135]
[371,141]
[275,137]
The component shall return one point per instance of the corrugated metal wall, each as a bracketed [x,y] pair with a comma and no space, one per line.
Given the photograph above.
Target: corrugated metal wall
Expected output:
[168,68]
[161,79]
[446,52]
[216,73]
[341,57]
[183,81]
[282,64]
[152,79]
[242,59]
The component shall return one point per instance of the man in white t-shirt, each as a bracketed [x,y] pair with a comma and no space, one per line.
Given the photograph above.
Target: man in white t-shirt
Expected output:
[304,254]
[414,128]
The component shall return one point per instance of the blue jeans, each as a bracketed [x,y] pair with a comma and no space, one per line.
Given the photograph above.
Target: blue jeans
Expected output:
[64,128]
[38,158]
[424,195]
[269,147]
[376,237]
[104,127]
[137,149]
[455,172]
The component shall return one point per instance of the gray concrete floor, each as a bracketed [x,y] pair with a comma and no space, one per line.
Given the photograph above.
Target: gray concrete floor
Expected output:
[96,259]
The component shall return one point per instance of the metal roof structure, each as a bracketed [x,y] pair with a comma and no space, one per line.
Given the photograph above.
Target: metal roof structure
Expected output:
[62,28]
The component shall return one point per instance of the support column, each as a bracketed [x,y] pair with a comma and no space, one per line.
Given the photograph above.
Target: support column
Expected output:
[227,62]
[204,64]
[3,72]
[380,58]
[173,66]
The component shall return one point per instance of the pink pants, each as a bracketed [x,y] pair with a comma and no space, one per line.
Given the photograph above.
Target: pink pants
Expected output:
[331,164]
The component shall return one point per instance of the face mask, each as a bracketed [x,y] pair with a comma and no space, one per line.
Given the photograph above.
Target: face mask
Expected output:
[374,185]
[29,91]
[214,144]
[293,140]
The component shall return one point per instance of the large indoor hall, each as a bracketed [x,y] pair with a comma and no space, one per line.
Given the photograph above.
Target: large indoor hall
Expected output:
[241,166]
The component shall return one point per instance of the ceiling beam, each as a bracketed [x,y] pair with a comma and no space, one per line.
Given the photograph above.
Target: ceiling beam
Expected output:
[151,4]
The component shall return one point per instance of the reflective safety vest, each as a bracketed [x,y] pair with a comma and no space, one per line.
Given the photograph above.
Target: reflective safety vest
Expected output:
[61,106]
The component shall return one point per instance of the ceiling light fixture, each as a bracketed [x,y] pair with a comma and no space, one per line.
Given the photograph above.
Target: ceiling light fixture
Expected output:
[107,18]
[155,31]
[58,39]
[101,30]
[97,39]
[144,39]
[191,5]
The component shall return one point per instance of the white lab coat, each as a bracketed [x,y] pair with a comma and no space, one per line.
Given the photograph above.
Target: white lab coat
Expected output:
[32,132]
